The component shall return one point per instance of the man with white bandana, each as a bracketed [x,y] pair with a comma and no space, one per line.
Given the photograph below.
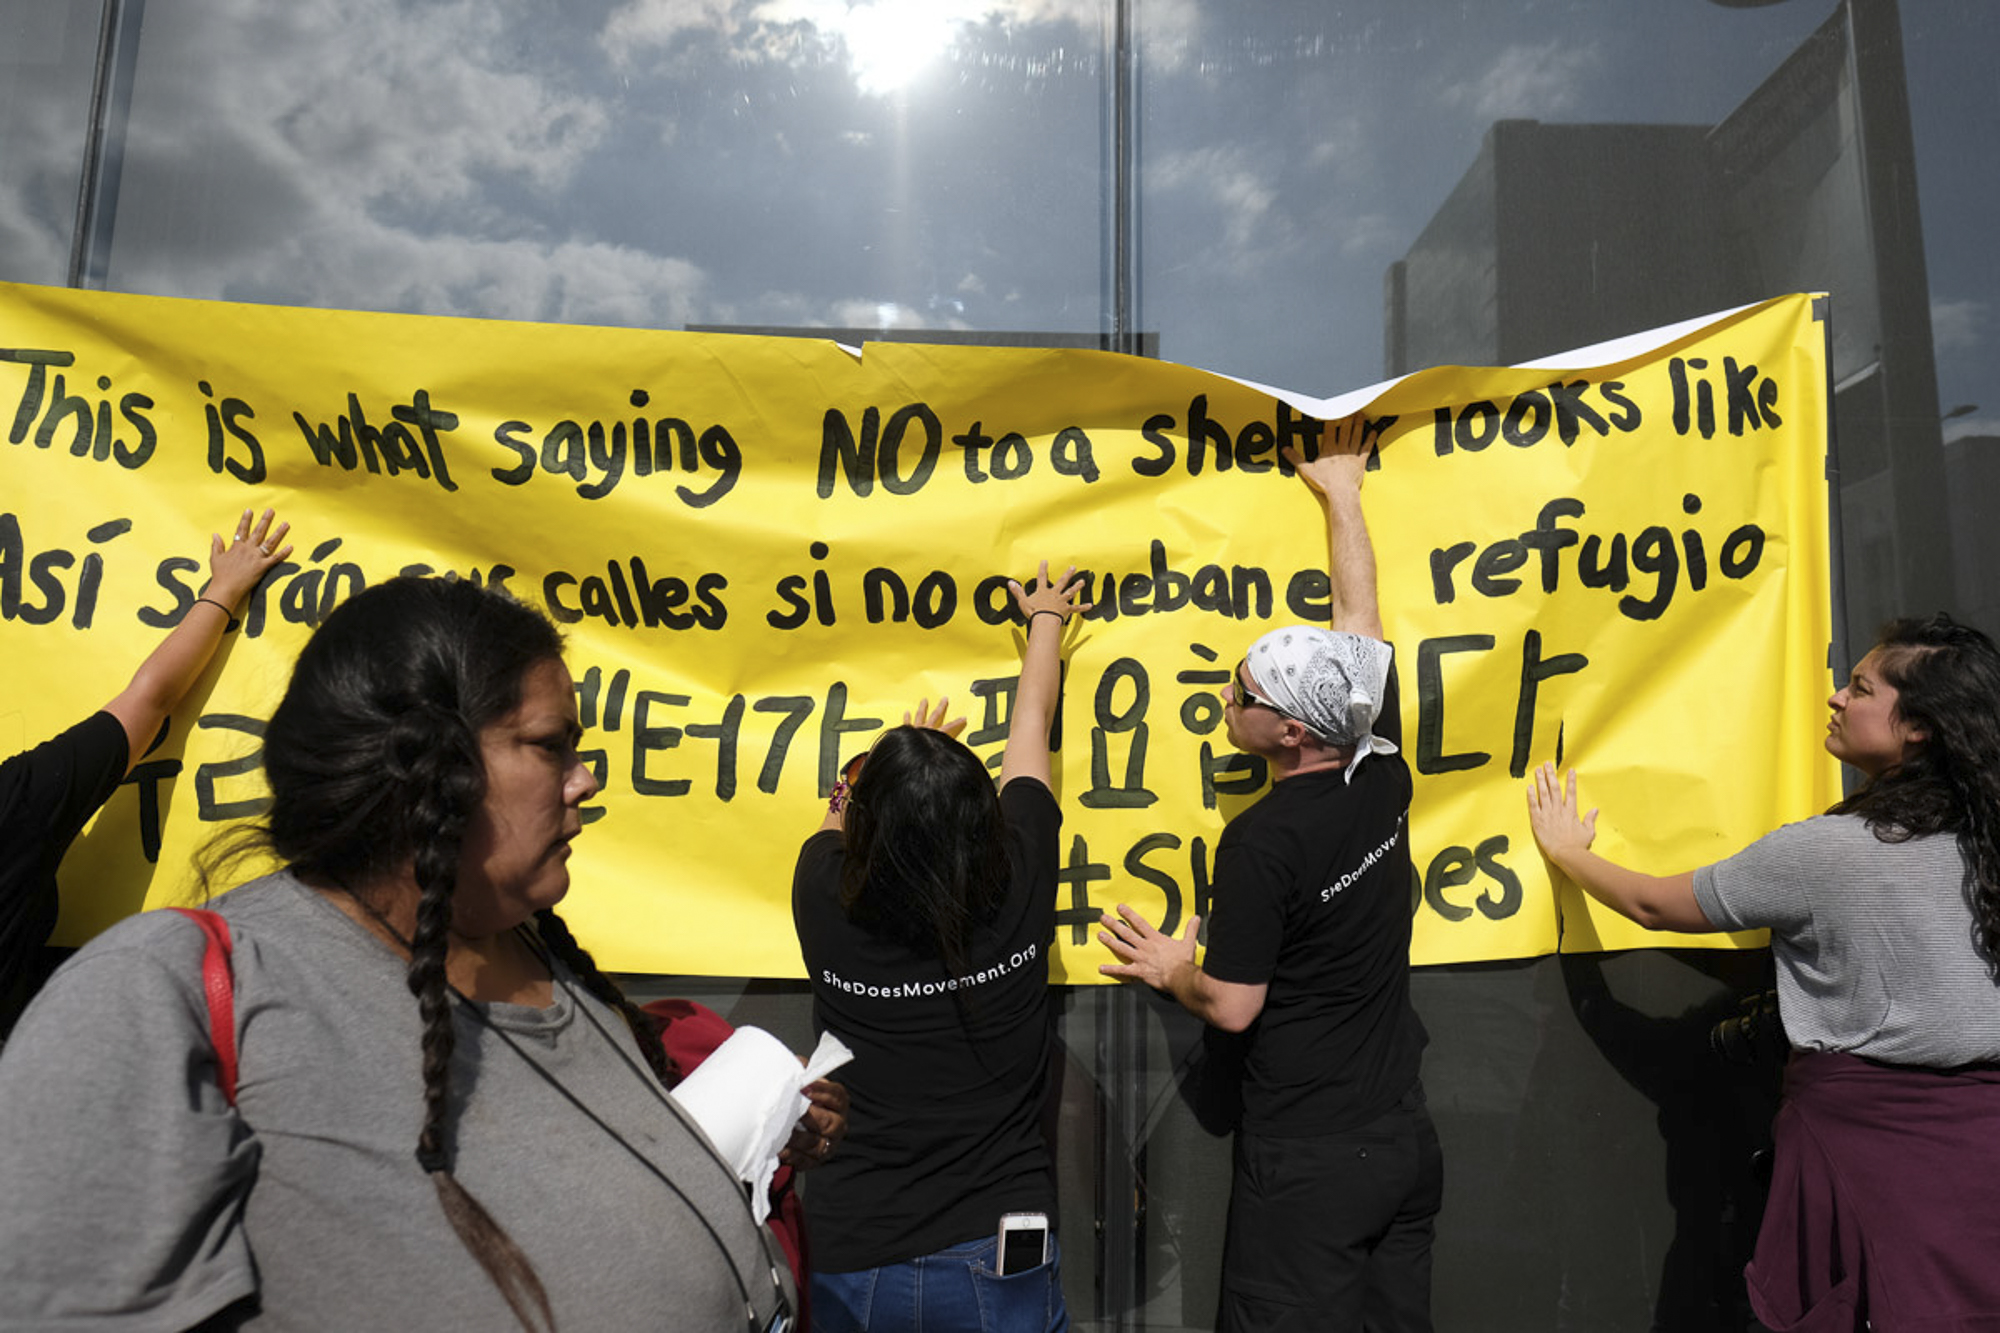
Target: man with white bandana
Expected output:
[1338,1176]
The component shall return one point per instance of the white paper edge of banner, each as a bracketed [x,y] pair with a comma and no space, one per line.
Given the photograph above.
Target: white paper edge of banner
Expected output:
[1597,354]
[1353,400]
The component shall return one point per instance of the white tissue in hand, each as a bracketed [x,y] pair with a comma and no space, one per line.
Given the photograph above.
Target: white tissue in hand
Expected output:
[748,1095]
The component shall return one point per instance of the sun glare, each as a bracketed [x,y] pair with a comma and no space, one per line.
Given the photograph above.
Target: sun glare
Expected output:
[890,42]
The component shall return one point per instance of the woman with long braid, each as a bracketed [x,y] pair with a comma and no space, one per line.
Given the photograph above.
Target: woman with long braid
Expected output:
[1884,916]
[499,1153]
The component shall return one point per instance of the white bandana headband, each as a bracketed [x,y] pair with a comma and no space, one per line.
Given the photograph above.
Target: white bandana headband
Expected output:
[1331,681]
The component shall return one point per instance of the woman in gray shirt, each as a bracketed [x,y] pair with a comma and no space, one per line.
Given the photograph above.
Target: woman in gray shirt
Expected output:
[444,1115]
[1884,916]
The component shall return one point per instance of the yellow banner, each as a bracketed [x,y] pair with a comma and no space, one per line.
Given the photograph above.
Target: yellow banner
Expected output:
[764,550]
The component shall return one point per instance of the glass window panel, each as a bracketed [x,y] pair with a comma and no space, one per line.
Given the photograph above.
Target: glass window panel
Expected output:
[808,164]
[47,54]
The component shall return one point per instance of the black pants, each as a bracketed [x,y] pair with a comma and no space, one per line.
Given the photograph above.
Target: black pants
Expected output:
[1332,1232]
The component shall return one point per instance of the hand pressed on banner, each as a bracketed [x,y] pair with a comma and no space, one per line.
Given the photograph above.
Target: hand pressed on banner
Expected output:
[1167,964]
[1554,815]
[933,718]
[234,570]
[1341,459]
[1657,902]
[1145,953]
[1044,597]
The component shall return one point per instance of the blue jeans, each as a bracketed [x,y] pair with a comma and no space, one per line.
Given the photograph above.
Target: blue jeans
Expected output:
[952,1291]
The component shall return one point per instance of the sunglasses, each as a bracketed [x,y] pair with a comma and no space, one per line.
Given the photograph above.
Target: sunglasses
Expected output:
[1248,697]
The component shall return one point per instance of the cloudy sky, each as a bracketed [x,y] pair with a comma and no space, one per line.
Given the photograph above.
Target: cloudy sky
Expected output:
[906,163]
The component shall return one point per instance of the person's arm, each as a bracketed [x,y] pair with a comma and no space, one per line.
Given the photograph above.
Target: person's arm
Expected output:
[1335,476]
[1048,609]
[1167,964]
[172,668]
[1657,902]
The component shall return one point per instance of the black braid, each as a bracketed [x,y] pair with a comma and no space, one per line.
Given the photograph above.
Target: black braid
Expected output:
[555,933]
[446,770]
[427,982]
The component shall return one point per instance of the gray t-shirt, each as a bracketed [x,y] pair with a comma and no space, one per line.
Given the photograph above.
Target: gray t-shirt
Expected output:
[133,1197]
[1873,940]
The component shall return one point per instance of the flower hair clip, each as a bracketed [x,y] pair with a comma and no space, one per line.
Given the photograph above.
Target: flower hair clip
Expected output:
[837,802]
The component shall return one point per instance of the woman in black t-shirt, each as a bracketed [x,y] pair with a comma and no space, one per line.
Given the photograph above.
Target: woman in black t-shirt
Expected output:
[925,906]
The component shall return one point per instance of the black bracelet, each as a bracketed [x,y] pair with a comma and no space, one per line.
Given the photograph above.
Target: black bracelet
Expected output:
[219,606]
[1057,614]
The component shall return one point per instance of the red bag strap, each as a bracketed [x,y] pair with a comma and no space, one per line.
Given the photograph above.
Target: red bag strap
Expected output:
[220,987]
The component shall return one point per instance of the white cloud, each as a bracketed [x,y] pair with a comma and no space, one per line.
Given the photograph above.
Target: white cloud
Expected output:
[571,282]
[1963,427]
[34,241]
[1171,36]
[885,42]
[381,165]
[1529,82]
[798,310]
[1372,234]
[40,117]
[1341,143]
[1957,326]
[650,24]
[869,314]
[434,156]
[29,250]
[1227,178]
[418,99]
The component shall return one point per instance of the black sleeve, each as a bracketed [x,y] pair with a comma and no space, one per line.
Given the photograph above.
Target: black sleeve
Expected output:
[811,870]
[1030,808]
[47,795]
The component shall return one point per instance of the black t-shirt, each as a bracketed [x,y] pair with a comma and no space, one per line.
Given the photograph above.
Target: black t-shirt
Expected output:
[1312,898]
[47,795]
[948,1081]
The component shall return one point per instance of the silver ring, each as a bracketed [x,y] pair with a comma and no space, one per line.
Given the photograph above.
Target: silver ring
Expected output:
[265,549]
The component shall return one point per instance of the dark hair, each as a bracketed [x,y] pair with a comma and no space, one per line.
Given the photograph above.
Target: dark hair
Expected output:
[374,763]
[1947,680]
[926,860]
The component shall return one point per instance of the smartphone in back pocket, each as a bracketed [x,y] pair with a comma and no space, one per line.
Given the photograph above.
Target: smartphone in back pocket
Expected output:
[1024,1242]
